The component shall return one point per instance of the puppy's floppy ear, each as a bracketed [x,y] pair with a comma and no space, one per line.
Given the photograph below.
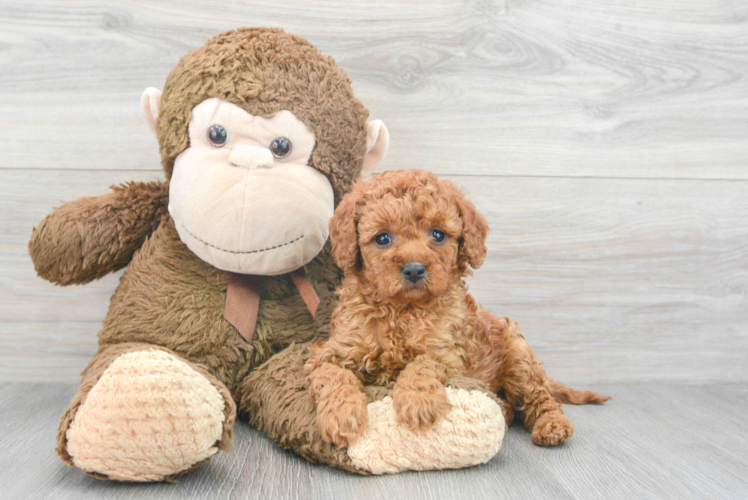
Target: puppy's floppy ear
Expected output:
[474,232]
[344,233]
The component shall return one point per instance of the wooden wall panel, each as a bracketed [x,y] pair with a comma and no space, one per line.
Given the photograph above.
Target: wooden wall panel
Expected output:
[612,89]
[607,142]
[612,280]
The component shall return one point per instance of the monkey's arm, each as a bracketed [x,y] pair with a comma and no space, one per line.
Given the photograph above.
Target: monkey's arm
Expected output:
[86,239]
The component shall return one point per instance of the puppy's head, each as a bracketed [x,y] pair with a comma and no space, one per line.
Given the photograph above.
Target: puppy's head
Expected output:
[408,234]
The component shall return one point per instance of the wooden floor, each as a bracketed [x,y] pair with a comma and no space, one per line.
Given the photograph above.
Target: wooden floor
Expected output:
[651,441]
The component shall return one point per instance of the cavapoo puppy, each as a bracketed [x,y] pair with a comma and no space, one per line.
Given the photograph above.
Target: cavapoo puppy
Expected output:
[405,321]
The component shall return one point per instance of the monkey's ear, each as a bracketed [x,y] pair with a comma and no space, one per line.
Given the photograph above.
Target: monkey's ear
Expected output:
[377,142]
[344,231]
[150,103]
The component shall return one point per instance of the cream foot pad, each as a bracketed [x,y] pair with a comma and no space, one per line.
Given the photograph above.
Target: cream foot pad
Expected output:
[150,415]
[470,434]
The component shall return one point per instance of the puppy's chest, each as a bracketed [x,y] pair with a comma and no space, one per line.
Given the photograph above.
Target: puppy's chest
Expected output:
[401,341]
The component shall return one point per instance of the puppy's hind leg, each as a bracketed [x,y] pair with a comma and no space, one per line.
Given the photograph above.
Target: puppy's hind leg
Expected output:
[527,387]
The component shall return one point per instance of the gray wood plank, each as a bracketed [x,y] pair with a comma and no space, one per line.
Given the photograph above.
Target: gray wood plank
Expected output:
[670,441]
[611,280]
[651,441]
[621,280]
[29,424]
[611,89]
[47,332]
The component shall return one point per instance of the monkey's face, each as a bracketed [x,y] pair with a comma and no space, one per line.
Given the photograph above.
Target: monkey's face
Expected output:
[242,195]
[259,134]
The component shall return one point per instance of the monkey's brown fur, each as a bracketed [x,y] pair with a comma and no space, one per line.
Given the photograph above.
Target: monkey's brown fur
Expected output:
[412,337]
[168,297]
[264,71]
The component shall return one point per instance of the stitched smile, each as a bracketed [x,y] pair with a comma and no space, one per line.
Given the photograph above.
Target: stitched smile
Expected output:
[239,252]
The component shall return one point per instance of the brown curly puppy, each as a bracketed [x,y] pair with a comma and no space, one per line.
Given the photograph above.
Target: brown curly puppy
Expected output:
[406,241]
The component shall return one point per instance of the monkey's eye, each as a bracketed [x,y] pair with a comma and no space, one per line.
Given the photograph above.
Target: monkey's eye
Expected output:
[383,239]
[281,147]
[218,136]
[438,236]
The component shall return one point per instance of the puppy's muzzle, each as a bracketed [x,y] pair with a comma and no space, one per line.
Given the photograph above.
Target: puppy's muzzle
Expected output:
[414,271]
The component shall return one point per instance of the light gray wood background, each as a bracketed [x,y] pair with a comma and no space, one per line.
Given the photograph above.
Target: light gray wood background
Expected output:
[607,142]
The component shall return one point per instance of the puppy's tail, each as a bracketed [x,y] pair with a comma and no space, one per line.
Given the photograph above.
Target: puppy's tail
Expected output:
[571,396]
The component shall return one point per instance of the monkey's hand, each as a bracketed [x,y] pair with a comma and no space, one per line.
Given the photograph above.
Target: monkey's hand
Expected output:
[86,239]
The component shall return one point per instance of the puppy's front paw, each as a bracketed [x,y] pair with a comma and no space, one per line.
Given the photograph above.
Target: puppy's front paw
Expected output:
[420,409]
[341,422]
[551,429]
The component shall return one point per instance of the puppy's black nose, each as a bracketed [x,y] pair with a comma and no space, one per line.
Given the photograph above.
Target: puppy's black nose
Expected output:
[414,271]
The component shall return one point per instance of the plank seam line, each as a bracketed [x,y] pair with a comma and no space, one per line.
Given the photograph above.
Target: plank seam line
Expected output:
[509,176]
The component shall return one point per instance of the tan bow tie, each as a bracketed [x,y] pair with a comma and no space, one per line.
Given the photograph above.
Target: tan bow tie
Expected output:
[243,299]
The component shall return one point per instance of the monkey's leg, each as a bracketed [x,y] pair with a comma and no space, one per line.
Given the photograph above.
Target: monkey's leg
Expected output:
[526,386]
[142,413]
[473,384]
[276,399]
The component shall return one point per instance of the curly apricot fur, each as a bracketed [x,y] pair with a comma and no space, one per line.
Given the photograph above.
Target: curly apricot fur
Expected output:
[387,330]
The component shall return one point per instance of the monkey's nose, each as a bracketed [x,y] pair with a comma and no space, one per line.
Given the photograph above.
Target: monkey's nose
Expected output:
[414,271]
[251,156]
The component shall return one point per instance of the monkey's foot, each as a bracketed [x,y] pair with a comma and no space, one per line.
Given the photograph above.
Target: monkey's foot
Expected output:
[470,434]
[149,416]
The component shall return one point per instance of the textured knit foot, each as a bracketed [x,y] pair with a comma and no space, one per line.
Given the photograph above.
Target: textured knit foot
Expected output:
[150,416]
[470,434]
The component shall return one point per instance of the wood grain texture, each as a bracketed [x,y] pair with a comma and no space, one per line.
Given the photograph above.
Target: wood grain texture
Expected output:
[596,89]
[605,141]
[651,441]
[611,280]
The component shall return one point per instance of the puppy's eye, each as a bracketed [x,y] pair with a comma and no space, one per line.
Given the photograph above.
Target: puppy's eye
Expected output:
[218,136]
[382,240]
[281,147]
[439,236]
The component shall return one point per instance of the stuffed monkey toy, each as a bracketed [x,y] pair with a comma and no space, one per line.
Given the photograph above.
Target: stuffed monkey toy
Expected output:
[228,266]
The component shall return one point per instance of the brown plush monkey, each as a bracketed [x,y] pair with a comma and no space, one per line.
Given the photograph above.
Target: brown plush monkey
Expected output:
[260,136]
